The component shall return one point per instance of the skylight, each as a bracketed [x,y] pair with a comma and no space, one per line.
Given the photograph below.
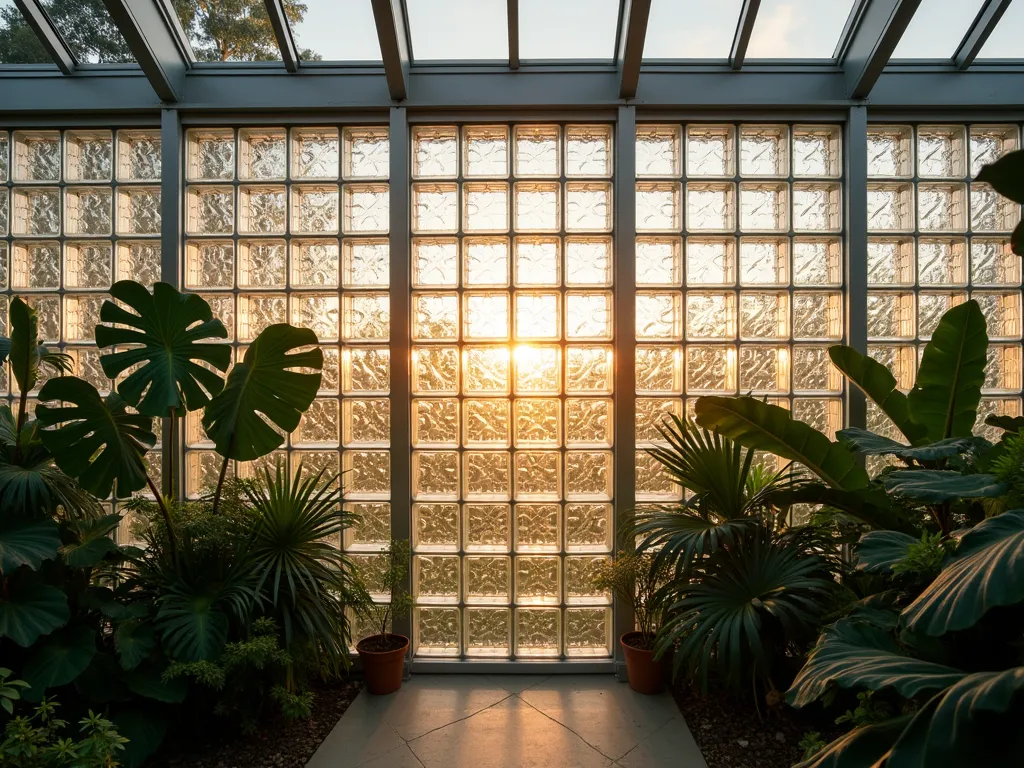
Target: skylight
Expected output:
[691,29]
[799,29]
[18,41]
[568,29]
[1005,41]
[449,30]
[937,29]
[336,30]
[90,33]
[229,32]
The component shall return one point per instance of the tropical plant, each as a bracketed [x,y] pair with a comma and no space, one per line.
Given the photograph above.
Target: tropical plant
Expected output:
[1006,175]
[9,690]
[389,580]
[39,741]
[636,581]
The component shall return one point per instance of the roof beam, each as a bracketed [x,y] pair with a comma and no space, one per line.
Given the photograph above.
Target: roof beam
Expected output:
[47,34]
[630,46]
[153,33]
[513,34]
[989,15]
[744,28]
[878,32]
[283,33]
[393,35]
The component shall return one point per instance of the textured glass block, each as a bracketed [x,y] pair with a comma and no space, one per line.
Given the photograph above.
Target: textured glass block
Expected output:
[366,263]
[538,370]
[435,208]
[223,307]
[315,263]
[994,263]
[487,423]
[880,424]
[588,315]
[202,471]
[435,370]
[81,316]
[537,528]
[710,150]
[89,155]
[435,423]
[538,423]
[37,156]
[901,360]
[588,475]
[435,527]
[538,475]
[435,317]
[825,415]
[320,313]
[764,261]
[538,580]
[318,426]
[817,316]
[588,423]
[435,152]
[367,209]
[487,579]
[941,151]
[588,207]
[436,578]
[211,155]
[580,571]
[652,414]
[486,262]
[991,406]
[48,316]
[488,632]
[485,151]
[315,153]
[659,370]
[990,211]
[658,151]
[86,362]
[588,370]
[710,315]
[942,261]
[435,263]
[262,154]
[659,316]
[891,315]
[537,206]
[588,527]
[372,531]
[35,211]
[588,150]
[436,632]
[87,211]
[366,423]
[536,261]
[536,150]
[890,207]
[930,309]
[138,210]
[5,217]
[262,264]
[588,261]
[210,264]
[710,370]
[1003,369]
[817,207]
[486,316]
[488,527]
[764,207]
[138,261]
[658,261]
[941,207]
[1002,313]
[817,150]
[4,269]
[367,153]
[368,370]
[588,632]
[210,211]
[710,207]
[435,475]
[262,210]
[487,475]
[990,142]
[314,210]
[890,151]
[538,632]
[890,261]
[366,317]
[764,150]
[36,265]
[329,462]
[813,371]
[764,369]
[138,155]
[710,261]
[536,316]
[87,265]
[658,207]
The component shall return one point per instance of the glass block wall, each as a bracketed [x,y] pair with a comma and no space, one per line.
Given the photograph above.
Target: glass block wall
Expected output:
[512,382]
[739,272]
[935,239]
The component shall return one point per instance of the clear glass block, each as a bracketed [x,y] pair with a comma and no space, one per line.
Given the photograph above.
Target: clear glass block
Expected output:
[588,423]
[932,306]
[588,370]
[435,527]
[538,578]
[487,579]
[536,150]
[588,315]
[256,311]
[210,211]
[367,153]
[890,151]
[817,316]
[536,316]
[764,150]
[659,316]
[1003,369]
[710,315]
[764,315]
[81,316]
[658,151]
[139,261]
[890,207]
[210,264]
[710,207]
[588,475]
[35,211]
[537,262]
[315,263]
[824,414]
[941,207]
[710,150]
[366,263]
[435,317]
[658,261]
[486,316]
[318,426]
[817,261]
[486,262]
[580,572]
[710,261]
[37,156]
[588,632]
[488,527]
[764,207]
[538,476]
[538,369]
[990,142]
[659,370]
[372,531]
[488,632]
[138,210]
[436,632]
[538,632]
[262,264]
[5,149]
[990,211]
[710,370]
[435,263]
[537,207]
[942,261]
[538,423]
[35,265]
[366,317]
[210,154]
[537,529]
[88,211]
[486,371]
[365,423]
[813,372]
[588,261]
[994,263]
[320,312]
[435,475]
[435,578]
[764,370]
[764,261]
[138,155]
[658,207]
[88,155]
[891,315]
[817,151]
[262,210]
[588,150]
[315,153]
[817,207]
[435,370]
[435,152]
[314,210]
[941,151]
[891,261]
[900,359]
[485,151]
[87,265]
[435,208]
[435,423]
[487,423]
[262,154]
[1002,313]
[367,209]
[588,207]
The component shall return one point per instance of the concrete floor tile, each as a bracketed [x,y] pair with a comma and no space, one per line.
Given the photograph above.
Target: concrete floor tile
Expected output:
[399,758]
[427,702]
[672,744]
[517,683]
[360,737]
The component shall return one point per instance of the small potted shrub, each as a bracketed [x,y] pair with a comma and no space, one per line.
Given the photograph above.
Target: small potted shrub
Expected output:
[383,653]
[635,580]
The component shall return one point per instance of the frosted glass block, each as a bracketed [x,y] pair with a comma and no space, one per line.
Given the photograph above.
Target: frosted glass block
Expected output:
[435,208]
[262,154]
[88,211]
[536,261]
[817,207]
[764,150]
[435,527]
[1002,313]
[538,580]
[88,155]
[487,476]
[588,632]
[138,155]
[817,316]
[941,151]
[48,316]
[710,370]
[314,210]
[538,632]
[138,261]
[536,316]
[436,632]
[37,156]
[901,360]
[588,207]
[588,423]
[435,475]
[890,207]
[81,316]
[365,424]
[710,315]
[588,315]
[485,151]
[710,207]
[318,426]
[1003,369]
[368,370]
[486,262]
[990,211]
[537,528]
[211,154]
[538,423]
[487,579]
[485,207]
[262,264]
[588,475]
[538,370]
[931,307]
[764,207]
[825,415]
[658,207]
[366,209]
[891,315]
[588,370]
[659,370]
[487,423]
[210,264]
[580,571]
[658,261]
[486,371]
[138,211]
[710,150]
[435,317]
[372,531]
[35,211]
[990,142]
[538,475]
[588,261]
[652,413]
[435,263]
[486,316]
[588,150]
[366,317]
[488,527]
[659,316]
[658,151]
[262,210]
[890,151]
[315,153]
[764,369]
[710,261]
[366,263]
[764,261]
[488,632]
[435,578]
[318,312]
[367,153]
[536,150]
[813,372]
[890,261]
[87,265]
[202,468]
[36,265]
[941,207]
[435,423]
[210,211]
[991,406]
[537,206]
[942,261]
[435,152]
[994,263]
[817,150]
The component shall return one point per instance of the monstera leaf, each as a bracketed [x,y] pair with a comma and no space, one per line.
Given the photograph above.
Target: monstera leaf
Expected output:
[878,383]
[935,486]
[26,542]
[92,541]
[98,441]
[59,659]
[29,609]
[166,334]
[879,551]
[263,388]
[1006,175]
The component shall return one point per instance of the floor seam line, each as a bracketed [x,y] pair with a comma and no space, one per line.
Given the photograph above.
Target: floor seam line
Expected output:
[570,730]
[453,722]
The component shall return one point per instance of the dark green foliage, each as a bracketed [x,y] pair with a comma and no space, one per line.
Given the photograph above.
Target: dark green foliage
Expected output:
[1006,175]
[42,740]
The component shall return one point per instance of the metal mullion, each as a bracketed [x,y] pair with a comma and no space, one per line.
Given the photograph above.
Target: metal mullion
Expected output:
[855,221]
[513,34]
[49,36]
[744,28]
[172,190]
[283,33]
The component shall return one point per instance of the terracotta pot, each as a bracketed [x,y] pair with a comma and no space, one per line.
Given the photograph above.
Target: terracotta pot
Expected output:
[645,674]
[383,669]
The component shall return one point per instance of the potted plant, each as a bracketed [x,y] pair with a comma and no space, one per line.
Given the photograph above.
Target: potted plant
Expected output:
[635,580]
[383,653]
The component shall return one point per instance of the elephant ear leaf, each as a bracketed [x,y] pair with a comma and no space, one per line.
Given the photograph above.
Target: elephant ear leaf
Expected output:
[935,486]
[987,571]
[878,383]
[98,441]
[166,336]
[879,551]
[29,609]
[265,387]
[945,398]
[59,659]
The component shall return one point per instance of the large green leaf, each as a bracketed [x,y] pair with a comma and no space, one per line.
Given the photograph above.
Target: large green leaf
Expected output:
[870,444]
[879,551]
[144,730]
[26,542]
[987,571]
[871,505]
[29,609]
[193,626]
[98,441]
[863,747]
[5,349]
[756,424]
[1005,423]
[148,681]
[134,641]
[878,383]
[1006,175]
[265,387]
[26,353]
[934,486]
[165,354]
[59,659]
[945,398]
[91,542]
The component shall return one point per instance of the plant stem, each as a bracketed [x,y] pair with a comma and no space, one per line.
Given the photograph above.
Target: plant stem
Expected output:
[172,541]
[220,484]
[22,408]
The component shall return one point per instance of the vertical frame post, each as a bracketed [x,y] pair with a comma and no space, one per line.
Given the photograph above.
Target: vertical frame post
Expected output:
[171,181]
[856,262]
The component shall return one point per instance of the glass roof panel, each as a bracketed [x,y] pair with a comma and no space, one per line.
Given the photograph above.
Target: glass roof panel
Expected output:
[18,42]
[937,29]
[1005,40]
[335,30]
[90,33]
[691,29]
[798,29]
[235,31]
[450,30]
[568,29]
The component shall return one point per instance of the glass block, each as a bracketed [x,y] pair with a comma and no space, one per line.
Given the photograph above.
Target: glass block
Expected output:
[652,414]
[538,423]
[1002,313]
[588,207]
[37,156]
[813,372]
[202,470]
[435,317]
[817,151]
[138,261]
[210,264]
[435,152]
[817,207]
[941,207]
[588,527]
[764,261]
[81,316]
[588,423]
[314,210]
[764,369]
[435,208]
[86,362]
[435,527]
[435,475]
[366,263]
[538,369]
[659,370]
[1003,369]
[487,476]
[435,423]
[764,150]
[588,150]
[536,150]
[931,307]
[659,316]
[942,261]
[710,370]
[890,207]
[536,261]
[891,315]
[710,315]
[890,151]
[990,142]
[435,370]
[315,263]
[365,423]
[222,305]
[588,370]
[538,475]
[824,414]
[487,424]
[941,151]
[211,154]
[48,316]
[710,207]
[990,211]
[367,153]
[658,261]
[817,316]
[488,527]
[485,151]
[588,475]
[210,211]
[488,632]
[901,360]
[262,264]
[992,406]
[538,579]
[537,316]
[537,206]
[487,579]
[138,155]
[88,155]
[658,207]
[5,217]
[366,317]
[486,371]
[537,529]
[367,209]
[138,210]
[256,311]
[994,263]
[4,270]
[538,632]
[486,316]
[36,265]
[87,265]
[262,210]
[5,149]
[436,632]
[35,211]
[320,312]
[710,261]
[318,426]
[588,315]
[710,150]
[588,632]
[262,154]
[436,578]
[890,261]
[367,370]
[588,261]
[315,153]
[87,211]
[329,462]
[764,207]
[580,571]
[486,262]
[372,532]
[435,263]
[658,151]
[485,207]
